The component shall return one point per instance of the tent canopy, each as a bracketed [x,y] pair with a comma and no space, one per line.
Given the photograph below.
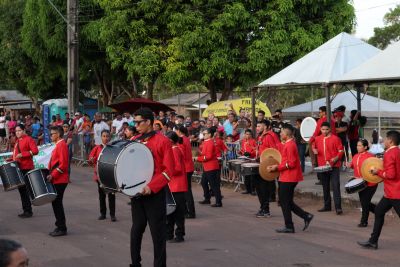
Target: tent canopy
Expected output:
[324,64]
[369,103]
[221,108]
[382,67]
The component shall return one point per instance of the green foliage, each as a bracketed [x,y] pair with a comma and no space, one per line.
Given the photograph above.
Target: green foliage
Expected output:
[390,32]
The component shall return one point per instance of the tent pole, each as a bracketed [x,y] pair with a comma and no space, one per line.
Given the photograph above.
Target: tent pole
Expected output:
[199,107]
[359,98]
[253,111]
[312,101]
[328,102]
[379,110]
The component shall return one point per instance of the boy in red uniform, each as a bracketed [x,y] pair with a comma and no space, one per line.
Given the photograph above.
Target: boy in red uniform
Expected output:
[24,150]
[186,148]
[248,148]
[178,187]
[208,157]
[150,207]
[93,157]
[322,119]
[329,150]
[58,167]
[290,175]
[391,182]
[266,139]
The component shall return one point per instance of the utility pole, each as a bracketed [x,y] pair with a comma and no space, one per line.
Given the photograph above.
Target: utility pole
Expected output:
[73,56]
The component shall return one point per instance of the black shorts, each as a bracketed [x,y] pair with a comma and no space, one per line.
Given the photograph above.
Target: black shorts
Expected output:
[2,132]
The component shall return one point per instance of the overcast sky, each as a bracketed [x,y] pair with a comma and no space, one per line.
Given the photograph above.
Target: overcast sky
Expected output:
[370,15]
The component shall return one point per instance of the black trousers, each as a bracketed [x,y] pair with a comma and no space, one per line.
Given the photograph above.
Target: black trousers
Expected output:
[102,200]
[212,178]
[353,147]
[177,218]
[190,210]
[149,209]
[263,189]
[286,194]
[384,205]
[249,183]
[23,192]
[326,179]
[58,207]
[366,205]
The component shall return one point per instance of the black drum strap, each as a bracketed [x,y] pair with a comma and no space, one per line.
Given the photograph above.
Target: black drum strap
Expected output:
[144,136]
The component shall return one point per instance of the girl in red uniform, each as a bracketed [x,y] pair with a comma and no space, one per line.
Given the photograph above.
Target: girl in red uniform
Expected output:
[208,157]
[93,157]
[178,187]
[58,166]
[366,194]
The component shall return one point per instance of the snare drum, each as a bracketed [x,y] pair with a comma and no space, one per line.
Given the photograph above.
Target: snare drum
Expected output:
[11,176]
[125,166]
[355,185]
[321,169]
[250,168]
[40,190]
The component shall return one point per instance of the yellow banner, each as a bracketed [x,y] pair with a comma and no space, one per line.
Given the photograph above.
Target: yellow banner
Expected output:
[221,108]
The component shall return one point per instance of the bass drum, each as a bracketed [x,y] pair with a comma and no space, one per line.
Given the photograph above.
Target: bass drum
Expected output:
[126,167]
[307,128]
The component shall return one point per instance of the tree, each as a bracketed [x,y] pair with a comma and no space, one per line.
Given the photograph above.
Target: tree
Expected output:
[390,32]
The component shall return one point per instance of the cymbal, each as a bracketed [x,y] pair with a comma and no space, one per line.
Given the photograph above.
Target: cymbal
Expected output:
[264,173]
[271,152]
[366,167]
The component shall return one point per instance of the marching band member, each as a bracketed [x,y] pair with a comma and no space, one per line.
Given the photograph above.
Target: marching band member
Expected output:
[366,194]
[150,206]
[130,133]
[208,157]
[178,187]
[290,175]
[24,150]
[322,119]
[329,151]
[58,167]
[189,168]
[266,139]
[248,147]
[93,157]
[391,183]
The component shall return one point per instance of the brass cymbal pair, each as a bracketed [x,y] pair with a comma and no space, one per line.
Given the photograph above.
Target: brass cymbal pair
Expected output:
[269,157]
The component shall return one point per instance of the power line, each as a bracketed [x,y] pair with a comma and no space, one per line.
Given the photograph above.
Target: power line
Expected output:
[373,7]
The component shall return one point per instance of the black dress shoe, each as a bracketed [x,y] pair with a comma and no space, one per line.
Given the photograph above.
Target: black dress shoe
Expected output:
[58,232]
[176,240]
[362,225]
[324,210]
[339,211]
[205,201]
[190,216]
[285,230]
[245,193]
[25,215]
[113,219]
[216,205]
[307,221]
[368,244]
[101,217]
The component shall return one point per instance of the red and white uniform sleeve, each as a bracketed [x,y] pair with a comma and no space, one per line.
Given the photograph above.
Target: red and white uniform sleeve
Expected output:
[58,164]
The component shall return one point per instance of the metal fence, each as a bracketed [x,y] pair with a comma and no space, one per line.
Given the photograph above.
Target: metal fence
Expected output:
[80,149]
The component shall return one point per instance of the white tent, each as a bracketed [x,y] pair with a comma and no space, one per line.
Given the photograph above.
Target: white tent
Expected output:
[372,106]
[325,64]
[385,66]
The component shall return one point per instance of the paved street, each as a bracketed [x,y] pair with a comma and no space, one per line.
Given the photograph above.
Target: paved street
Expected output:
[228,236]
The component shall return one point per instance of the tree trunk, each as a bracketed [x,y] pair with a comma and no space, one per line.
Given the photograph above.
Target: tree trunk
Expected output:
[212,91]
[228,88]
[150,90]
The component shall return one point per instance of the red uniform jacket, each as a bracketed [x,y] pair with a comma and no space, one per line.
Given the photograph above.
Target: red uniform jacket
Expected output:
[317,131]
[328,147]
[178,182]
[58,164]
[161,149]
[220,146]
[27,147]
[93,157]
[290,168]
[208,156]
[268,140]
[248,146]
[357,162]
[187,154]
[391,173]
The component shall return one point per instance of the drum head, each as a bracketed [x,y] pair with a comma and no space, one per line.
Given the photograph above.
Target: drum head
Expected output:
[355,182]
[134,168]
[44,199]
[250,165]
[307,128]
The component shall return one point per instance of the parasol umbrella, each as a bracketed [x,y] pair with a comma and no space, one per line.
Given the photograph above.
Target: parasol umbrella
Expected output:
[221,108]
[134,104]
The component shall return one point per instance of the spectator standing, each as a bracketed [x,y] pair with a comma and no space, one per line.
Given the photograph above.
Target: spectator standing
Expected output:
[87,139]
[341,130]
[260,115]
[128,118]
[117,125]
[59,121]
[2,128]
[67,119]
[36,129]
[353,132]
[162,118]
[78,123]
[228,124]
[98,126]
[11,124]
[68,139]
